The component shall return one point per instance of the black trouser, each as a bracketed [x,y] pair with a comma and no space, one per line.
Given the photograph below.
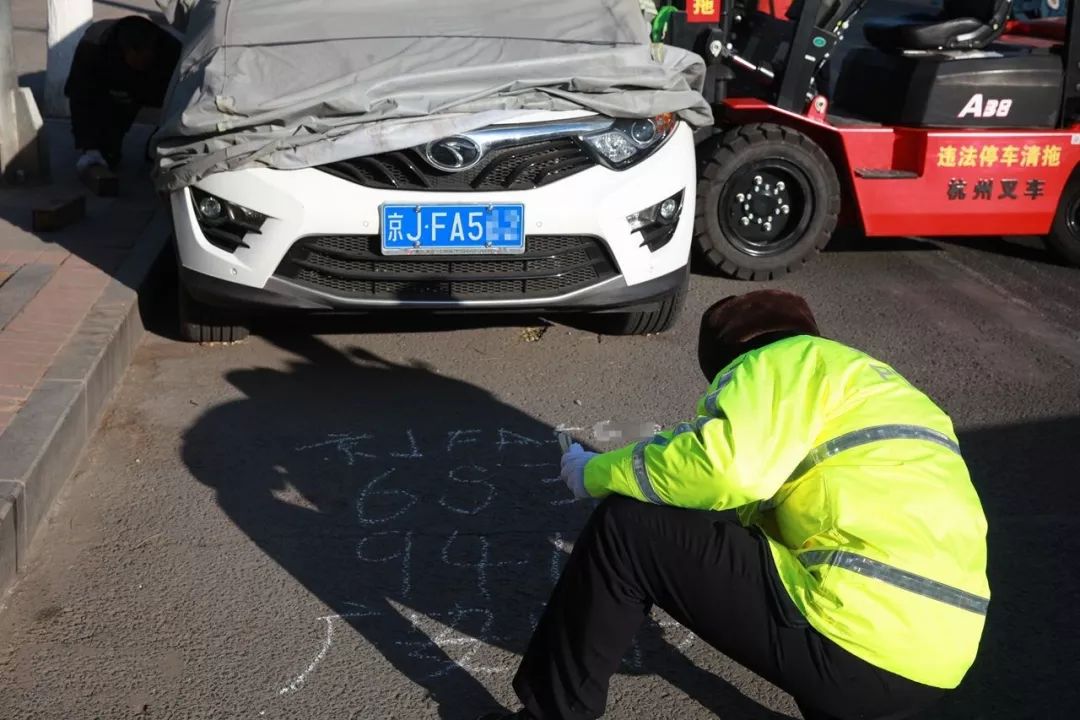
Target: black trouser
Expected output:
[100,123]
[717,579]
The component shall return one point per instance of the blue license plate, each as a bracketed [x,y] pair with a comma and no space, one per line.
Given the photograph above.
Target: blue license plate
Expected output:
[472,229]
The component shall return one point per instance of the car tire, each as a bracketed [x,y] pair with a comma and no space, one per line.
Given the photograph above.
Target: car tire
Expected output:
[789,206]
[1064,238]
[648,322]
[203,323]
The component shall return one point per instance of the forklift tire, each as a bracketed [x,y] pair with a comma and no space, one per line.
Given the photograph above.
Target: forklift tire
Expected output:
[1064,237]
[768,200]
[202,323]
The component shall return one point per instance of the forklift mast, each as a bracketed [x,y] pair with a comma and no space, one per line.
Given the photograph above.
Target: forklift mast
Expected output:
[785,82]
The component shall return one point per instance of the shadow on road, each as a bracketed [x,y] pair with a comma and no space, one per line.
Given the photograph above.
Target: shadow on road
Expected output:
[112,226]
[1026,477]
[422,510]
[425,512]
[1031,249]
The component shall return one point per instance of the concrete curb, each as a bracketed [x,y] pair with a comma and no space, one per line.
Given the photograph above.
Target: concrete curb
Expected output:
[41,447]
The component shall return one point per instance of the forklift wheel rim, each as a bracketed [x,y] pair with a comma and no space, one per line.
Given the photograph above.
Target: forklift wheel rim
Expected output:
[787,229]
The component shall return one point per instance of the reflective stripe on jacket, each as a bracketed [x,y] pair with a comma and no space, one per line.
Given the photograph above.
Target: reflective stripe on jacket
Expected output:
[856,478]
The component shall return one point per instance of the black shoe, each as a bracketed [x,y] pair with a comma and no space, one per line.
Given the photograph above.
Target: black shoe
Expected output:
[519,715]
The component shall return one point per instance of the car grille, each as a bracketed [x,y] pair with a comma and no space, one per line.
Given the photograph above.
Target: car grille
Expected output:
[353,266]
[520,167]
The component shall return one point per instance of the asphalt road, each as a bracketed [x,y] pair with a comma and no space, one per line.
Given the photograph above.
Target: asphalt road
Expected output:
[363,524]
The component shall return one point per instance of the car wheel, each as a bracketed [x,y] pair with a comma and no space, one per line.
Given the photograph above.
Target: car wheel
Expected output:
[206,324]
[648,322]
[768,200]
[1064,237]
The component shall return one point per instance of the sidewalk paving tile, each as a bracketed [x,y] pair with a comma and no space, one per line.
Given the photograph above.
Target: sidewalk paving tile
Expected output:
[16,374]
[20,288]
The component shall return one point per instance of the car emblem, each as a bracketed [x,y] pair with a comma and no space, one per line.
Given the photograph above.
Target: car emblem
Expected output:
[453,154]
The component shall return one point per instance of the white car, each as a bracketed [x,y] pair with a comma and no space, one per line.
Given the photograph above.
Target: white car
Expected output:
[559,211]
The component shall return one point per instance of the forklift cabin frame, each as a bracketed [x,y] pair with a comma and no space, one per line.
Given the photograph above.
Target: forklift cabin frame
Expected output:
[811,47]
[965,180]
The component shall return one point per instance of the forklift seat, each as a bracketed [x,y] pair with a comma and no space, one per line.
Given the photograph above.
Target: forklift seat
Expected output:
[962,25]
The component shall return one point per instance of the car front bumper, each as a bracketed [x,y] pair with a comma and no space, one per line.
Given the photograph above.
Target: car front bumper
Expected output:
[613,295]
[310,203]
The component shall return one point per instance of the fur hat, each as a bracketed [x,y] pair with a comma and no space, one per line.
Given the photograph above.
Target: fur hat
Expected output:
[741,323]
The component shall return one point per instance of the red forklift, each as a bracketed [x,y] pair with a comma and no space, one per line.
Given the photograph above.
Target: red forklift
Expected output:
[959,124]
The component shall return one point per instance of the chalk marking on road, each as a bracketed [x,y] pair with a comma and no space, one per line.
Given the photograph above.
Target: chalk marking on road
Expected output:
[289,495]
[453,438]
[481,506]
[405,554]
[368,490]
[327,643]
[636,657]
[507,437]
[481,566]
[448,635]
[344,443]
[414,450]
[673,623]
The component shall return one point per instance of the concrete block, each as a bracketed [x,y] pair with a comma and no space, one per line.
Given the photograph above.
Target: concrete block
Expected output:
[101,181]
[25,159]
[10,494]
[101,349]
[41,446]
[98,355]
[67,23]
[57,213]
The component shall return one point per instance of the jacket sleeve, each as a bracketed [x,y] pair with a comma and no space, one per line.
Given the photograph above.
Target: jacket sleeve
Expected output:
[754,426]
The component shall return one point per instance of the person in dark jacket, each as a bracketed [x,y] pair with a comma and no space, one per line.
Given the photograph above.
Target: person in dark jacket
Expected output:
[120,66]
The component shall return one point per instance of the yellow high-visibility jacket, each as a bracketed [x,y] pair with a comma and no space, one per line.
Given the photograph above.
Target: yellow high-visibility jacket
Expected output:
[856,479]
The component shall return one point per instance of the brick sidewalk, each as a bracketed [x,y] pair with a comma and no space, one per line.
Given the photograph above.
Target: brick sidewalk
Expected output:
[71,306]
[30,341]
[49,281]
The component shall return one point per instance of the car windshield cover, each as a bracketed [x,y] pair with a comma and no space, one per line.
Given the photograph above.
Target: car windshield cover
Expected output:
[290,84]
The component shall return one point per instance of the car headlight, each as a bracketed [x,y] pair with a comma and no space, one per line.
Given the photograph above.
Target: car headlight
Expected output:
[629,141]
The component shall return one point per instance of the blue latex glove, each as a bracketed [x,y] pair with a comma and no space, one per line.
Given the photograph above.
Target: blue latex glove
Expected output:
[573,470]
[89,159]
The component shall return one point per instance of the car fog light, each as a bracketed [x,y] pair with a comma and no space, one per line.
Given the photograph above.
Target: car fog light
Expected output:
[211,208]
[224,223]
[657,223]
[668,208]
[662,213]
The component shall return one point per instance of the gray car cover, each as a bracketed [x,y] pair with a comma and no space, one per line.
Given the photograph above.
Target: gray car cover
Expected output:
[296,83]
